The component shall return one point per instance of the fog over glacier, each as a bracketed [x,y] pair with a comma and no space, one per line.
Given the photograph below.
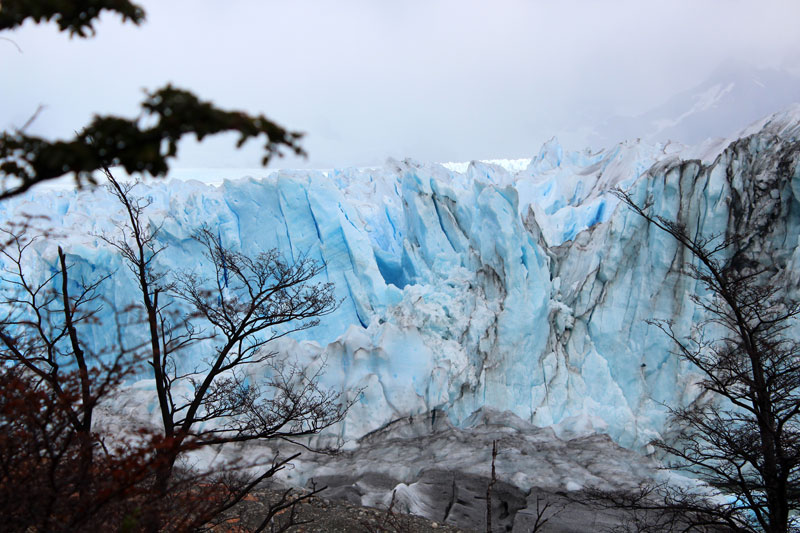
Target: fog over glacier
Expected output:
[437,80]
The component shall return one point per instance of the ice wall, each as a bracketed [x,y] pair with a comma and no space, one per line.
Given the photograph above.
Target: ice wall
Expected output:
[518,289]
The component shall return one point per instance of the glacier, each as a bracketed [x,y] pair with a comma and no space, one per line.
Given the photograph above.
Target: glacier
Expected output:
[512,286]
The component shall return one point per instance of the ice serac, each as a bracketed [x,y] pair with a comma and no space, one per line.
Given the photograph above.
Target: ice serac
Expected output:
[616,275]
[522,288]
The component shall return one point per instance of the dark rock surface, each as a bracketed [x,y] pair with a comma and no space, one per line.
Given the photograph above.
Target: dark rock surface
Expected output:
[539,511]
[331,515]
[424,466]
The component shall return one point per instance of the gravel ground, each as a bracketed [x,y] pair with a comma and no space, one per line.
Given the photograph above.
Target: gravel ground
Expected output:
[322,515]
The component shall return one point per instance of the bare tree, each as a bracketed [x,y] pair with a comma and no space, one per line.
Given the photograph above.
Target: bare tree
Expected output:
[544,509]
[45,485]
[38,333]
[489,487]
[544,512]
[48,352]
[57,472]
[47,342]
[742,435]
[246,303]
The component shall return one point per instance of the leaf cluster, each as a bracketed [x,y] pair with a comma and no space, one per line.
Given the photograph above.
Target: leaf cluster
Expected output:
[141,145]
[74,16]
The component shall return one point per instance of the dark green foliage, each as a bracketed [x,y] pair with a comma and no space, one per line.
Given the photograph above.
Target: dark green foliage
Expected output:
[75,16]
[114,141]
[141,145]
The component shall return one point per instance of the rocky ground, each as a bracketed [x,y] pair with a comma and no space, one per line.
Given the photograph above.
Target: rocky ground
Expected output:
[322,515]
[552,513]
[435,477]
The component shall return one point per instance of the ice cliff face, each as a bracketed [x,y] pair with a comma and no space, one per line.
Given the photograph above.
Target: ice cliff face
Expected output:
[524,290]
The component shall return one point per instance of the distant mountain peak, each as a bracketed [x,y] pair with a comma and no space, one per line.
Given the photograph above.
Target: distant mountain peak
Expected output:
[732,97]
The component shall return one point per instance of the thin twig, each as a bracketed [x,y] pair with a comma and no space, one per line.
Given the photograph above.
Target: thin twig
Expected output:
[12,42]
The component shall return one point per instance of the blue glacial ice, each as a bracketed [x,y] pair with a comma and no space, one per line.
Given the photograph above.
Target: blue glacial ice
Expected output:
[518,287]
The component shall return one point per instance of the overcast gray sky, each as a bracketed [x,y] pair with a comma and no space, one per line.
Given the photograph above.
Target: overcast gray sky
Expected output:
[430,79]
